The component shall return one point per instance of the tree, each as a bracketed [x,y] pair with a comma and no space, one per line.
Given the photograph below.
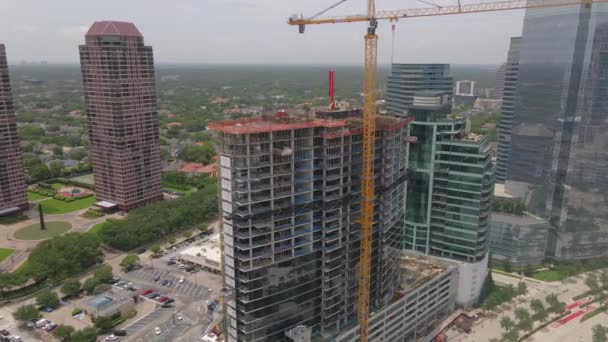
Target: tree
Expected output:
[528,270]
[6,281]
[511,336]
[64,332]
[539,310]
[104,323]
[508,266]
[48,299]
[64,255]
[39,172]
[522,288]
[171,240]
[85,335]
[104,274]
[187,234]
[507,323]
[58,151]
[55,168]
[129,261]
[599,333]
[604,280]
[592,282]
[524,320]
[89,285]
[554,304]
[26,313]
[71,287]
[155,249]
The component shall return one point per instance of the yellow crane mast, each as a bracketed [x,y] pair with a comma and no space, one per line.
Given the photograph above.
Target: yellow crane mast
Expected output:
[369,104]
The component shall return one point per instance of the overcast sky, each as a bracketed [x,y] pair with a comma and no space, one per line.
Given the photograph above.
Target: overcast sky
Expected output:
[253,31]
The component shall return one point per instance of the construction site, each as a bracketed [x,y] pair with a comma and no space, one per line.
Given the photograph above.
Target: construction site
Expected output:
[291,211]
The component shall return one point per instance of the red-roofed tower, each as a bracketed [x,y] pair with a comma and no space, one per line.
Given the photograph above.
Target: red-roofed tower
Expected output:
[120,95]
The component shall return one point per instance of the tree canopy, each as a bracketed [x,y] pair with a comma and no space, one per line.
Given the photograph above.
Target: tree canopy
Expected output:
[26,313]
[156,220]
[64,255]
[71,287]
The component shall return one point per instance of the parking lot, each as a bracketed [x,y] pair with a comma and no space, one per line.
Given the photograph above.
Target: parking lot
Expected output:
[188,295]
[187,288]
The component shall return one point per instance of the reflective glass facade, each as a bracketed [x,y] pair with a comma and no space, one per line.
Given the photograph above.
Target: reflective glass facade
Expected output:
[559,144]
[407,79]
[449,194]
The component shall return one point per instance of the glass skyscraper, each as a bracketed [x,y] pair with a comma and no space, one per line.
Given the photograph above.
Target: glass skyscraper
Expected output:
[559,143]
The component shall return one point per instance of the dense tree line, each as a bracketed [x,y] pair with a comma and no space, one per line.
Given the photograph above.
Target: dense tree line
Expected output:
[198,154]
[182,180]
[147,224]
[64,255]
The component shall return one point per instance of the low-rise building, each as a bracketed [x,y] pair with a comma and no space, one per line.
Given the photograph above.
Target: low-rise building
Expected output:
[518,239]
[111,302]
[426,297]
[206,254]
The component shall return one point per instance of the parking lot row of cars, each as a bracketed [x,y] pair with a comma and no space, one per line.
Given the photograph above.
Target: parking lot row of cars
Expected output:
[5,336]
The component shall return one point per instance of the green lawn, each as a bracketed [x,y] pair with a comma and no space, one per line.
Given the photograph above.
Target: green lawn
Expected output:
[32,196]
[33,232]
[54,206]
[5,253]
[548,276]
[185,192]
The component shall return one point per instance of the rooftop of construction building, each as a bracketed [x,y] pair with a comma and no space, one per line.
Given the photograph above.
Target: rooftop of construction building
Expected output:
[281,121]
[416,270]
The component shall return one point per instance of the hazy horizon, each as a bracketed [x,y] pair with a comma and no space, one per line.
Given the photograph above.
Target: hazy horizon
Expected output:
[255,32]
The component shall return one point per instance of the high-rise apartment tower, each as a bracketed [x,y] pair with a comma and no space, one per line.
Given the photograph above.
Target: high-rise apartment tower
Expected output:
[12,174]
[290,205]
[120,96]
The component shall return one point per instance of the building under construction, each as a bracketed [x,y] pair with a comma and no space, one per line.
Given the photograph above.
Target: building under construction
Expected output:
[290,193]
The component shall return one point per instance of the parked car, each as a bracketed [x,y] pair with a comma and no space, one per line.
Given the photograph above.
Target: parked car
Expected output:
[49,327]
[111,338]
[157,331]
[15,338]
[42,322]
[120,332]
[181,280]
[47,309]
[152,295]
[4,332]
[156,278]
[148,291]
[170,283]
[182,266]
[162,299]
[179,316]
[171,262]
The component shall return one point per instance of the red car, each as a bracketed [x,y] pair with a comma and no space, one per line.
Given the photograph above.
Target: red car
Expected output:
[162,299]
[147,292]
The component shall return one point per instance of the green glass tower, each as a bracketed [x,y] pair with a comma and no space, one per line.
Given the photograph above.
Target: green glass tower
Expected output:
[449,194]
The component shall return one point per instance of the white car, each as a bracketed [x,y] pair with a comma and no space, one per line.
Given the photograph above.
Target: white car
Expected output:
[181,280]
[179,316]
[157,331]
[111,338]
[180,266]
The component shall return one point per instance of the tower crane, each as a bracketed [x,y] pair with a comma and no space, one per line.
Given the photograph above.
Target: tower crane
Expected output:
[369,103]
